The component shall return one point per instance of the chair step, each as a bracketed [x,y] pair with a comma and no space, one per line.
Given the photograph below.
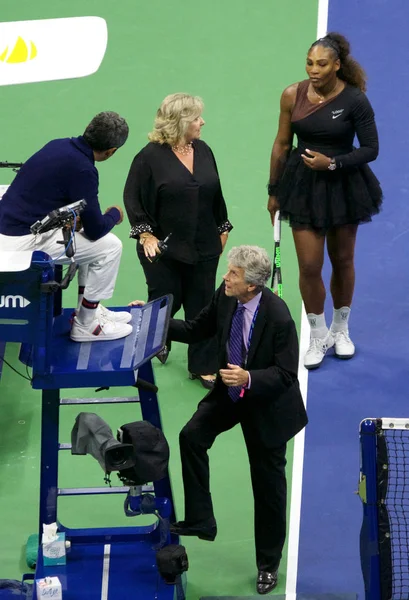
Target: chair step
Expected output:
[69,401]
[64,446]
[100,490]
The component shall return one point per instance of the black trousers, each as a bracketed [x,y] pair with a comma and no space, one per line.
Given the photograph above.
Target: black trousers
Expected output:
[192,287]
[267,467]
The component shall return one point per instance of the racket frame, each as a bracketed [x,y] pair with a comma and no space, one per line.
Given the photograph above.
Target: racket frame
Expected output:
[276,280]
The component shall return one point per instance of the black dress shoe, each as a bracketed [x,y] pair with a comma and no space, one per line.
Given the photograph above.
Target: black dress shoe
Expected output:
[207,530]
[266,581]
[206,383]
[163,354]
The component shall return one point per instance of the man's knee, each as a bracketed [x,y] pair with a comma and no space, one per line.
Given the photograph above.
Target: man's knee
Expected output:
[111,251]
[192,436]
[115,244]
[106,248]
[186,436]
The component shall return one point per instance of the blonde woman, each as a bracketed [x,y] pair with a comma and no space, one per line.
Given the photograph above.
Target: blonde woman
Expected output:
[173,187]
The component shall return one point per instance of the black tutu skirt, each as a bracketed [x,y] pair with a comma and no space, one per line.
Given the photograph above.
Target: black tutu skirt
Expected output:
[321,200]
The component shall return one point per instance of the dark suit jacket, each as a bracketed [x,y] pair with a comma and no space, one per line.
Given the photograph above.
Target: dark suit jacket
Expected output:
[272,409]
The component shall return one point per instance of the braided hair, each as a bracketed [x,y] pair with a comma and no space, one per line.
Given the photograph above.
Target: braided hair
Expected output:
[350,70]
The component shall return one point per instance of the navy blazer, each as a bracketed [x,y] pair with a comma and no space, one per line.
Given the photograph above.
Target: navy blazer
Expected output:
[273,408]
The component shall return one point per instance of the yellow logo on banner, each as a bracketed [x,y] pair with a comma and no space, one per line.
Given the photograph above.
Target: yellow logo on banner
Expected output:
[20,53]
[51,49]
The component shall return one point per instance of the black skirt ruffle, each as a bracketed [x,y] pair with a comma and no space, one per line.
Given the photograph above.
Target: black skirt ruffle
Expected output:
[321,200]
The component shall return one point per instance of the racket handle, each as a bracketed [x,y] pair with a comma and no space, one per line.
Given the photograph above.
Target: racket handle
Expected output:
[277,227]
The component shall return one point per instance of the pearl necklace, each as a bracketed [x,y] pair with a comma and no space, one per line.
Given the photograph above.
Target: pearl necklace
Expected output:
[183,150]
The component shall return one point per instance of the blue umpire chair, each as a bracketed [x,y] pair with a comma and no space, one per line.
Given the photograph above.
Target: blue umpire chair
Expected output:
[102,562]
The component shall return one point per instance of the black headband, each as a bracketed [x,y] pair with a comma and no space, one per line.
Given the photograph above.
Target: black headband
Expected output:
[330,43]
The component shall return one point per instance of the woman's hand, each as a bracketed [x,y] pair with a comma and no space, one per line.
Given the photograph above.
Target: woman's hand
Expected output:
[272,207]
[223,239]
[316,161]
[150,244]
[137,303]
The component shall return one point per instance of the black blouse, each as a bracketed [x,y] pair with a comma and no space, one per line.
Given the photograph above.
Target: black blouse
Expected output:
[162,196]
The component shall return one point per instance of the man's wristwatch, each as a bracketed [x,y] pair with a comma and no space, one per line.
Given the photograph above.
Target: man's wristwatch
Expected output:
[332,165]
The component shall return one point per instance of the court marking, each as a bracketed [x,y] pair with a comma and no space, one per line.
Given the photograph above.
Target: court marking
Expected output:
[105,572]
[299,440]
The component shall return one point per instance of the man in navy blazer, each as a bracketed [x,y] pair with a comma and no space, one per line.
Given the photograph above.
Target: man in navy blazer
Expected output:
[260,391]
[62,172]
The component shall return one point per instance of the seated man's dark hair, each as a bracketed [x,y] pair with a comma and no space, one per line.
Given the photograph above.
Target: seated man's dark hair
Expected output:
[106,130]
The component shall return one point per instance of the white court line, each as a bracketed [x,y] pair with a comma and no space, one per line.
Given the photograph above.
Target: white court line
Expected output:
[299,440]
[297,471]
[322,21]
[105,572]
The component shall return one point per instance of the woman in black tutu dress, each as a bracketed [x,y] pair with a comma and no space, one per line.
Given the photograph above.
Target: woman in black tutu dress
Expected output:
[324,187]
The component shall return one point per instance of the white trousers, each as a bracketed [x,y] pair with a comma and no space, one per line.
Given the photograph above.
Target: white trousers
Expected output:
[98,261]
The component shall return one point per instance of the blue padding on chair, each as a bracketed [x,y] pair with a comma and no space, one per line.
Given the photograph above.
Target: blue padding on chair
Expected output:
[23,306]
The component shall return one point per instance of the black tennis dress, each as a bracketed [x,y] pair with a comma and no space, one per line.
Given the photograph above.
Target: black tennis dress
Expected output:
[351,193]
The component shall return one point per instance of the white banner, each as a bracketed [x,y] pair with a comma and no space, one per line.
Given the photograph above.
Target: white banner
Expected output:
[50,49]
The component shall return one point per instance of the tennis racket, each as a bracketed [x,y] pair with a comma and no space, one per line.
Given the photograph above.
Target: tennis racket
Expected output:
[276,281]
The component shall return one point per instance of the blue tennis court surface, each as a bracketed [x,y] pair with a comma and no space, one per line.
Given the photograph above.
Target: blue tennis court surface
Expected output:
[374,383]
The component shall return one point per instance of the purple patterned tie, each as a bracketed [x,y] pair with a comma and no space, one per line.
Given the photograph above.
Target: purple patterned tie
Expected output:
[236,347]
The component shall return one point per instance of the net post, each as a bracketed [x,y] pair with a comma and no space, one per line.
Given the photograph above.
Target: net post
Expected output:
[369,542]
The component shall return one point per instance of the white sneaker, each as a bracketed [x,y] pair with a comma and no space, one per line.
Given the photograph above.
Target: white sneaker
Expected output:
[316,351]
[110,315]
[99,331]
[344,347]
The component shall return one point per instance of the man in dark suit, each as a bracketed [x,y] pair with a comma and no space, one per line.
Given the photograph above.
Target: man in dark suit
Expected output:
[257,387]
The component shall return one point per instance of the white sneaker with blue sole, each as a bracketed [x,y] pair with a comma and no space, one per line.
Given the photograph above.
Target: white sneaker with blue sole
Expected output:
[317,350]
[112,315]
[344,346]
[99,330]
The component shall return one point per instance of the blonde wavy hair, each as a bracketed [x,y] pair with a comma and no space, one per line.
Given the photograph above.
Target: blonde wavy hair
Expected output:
[173,118]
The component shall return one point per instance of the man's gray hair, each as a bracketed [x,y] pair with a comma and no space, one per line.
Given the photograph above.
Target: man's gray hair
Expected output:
[106,130]
[255,262]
